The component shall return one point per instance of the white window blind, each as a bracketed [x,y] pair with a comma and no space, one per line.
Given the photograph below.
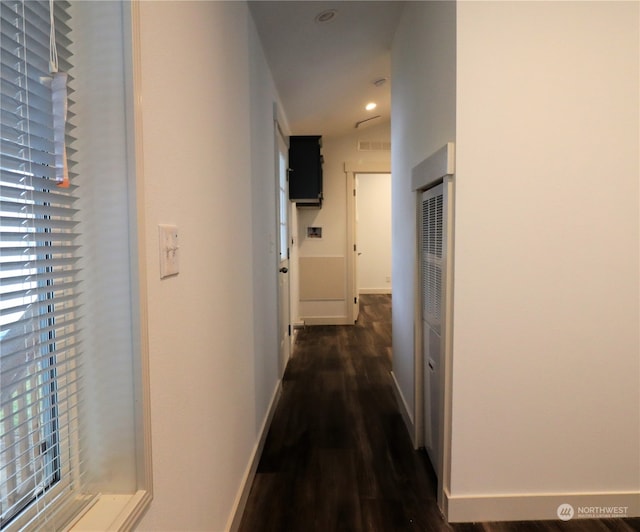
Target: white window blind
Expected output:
[40,365]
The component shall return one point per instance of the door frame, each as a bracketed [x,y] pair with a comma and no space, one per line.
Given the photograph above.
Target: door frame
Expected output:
[439,167]
[281,140]
[351,169]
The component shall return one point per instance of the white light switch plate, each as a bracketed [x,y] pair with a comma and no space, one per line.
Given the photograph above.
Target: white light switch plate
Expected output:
[168,250]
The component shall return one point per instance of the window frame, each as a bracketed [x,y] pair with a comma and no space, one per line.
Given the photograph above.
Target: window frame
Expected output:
[123,508]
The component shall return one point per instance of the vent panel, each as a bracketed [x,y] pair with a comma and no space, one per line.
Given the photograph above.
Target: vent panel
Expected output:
[374,145]
[432,260]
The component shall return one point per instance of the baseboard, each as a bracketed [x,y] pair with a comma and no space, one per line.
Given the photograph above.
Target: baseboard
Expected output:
[327,320]
[404,409]
[365,291]
[243,493]
[534,507]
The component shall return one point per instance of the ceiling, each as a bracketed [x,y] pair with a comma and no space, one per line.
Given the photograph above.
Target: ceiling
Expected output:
[325,72]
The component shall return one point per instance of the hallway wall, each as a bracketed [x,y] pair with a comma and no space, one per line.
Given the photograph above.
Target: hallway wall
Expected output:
[423,107]
[546,325]
[542,100]
[207,100]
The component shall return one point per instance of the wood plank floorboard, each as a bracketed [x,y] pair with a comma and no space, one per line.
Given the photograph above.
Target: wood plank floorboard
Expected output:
[338,457]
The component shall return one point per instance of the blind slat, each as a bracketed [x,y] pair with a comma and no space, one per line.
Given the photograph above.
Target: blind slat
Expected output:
[17,193]
[27,120]
[28,293]
[28,127]
[59,373]
[14,95]
[36,264]
[8,281]
[36,183]
[39,307]
[29,209]
[37,223]
[12,357]
[22,329]
[29,238]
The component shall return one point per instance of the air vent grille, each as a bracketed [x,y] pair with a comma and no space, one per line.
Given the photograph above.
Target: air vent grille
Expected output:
[432,240]
[374,145]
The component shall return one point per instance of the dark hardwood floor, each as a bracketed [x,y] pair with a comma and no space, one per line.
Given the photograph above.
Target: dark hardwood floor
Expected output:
[338,456]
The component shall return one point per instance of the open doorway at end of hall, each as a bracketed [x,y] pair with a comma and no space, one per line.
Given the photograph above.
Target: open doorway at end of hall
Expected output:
[373,233]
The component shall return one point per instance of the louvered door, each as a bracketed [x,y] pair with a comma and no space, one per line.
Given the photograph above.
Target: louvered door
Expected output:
[433,268]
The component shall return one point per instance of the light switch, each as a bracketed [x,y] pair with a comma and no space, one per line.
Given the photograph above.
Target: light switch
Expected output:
[168,250]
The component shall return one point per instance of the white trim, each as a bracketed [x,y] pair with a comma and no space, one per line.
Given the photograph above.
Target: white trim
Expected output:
[447,393]
[434,167]
[281,196]
[534,507]
[122,511]
[351,168]
[115,512]
[438,167]
[135,156]
[281,123]
[240,502]
[327,320]
[404,408]
[365,291]
[133,511]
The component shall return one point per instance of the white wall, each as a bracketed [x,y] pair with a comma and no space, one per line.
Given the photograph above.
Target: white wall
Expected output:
[264,227]
[332,217]
[423,120]
[373,219]
[208,168]
[546,319]
[546,343]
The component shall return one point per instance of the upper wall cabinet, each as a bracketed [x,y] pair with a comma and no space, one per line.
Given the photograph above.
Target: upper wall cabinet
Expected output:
[305,176]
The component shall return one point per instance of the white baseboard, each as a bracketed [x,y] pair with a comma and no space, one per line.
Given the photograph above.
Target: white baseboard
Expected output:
[365,291]
[327,320]
[534,507]
[240,502]
[404,410]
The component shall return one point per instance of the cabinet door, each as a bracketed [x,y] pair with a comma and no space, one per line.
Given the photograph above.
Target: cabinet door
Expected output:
[305,161]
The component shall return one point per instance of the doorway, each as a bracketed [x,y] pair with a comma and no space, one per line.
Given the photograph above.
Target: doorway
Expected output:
[373,233]
[352,170]
[282,215]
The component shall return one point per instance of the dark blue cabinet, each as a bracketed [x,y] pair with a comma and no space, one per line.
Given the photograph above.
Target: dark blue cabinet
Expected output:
[305,170]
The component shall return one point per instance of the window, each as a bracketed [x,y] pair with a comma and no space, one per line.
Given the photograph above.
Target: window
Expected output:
[39,348]
[74,410]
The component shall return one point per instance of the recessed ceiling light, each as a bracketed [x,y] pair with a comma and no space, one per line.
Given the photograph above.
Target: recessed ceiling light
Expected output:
[370,106]
[326,16]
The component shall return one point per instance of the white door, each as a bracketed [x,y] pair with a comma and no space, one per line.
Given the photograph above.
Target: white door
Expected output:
[355,251]
[284,319]
[373,233]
